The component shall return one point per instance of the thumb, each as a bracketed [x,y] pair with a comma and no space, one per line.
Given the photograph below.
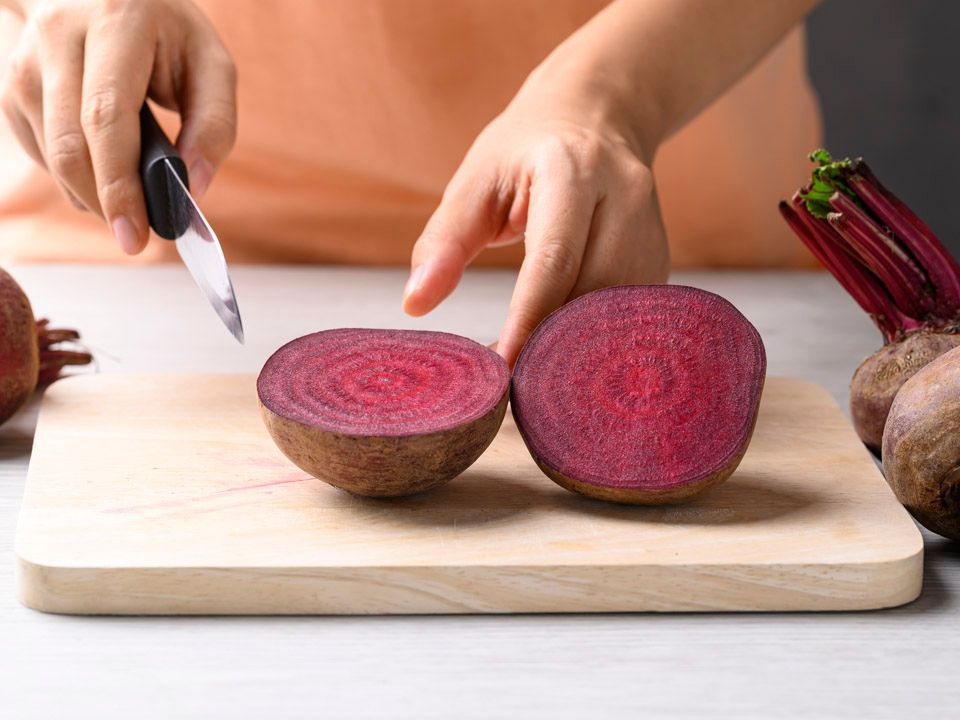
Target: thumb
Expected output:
[468,219]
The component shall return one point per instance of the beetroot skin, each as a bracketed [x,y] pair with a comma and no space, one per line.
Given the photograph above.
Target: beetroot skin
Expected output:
[878,379]
[30,352]
[644,394]
[921,445]
[19,355]
[383,413]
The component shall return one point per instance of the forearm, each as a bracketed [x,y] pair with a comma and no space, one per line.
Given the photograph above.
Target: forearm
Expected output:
[655,63]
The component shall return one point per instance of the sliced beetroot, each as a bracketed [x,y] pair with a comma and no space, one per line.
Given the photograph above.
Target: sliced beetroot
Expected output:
[642,394]
[383,412]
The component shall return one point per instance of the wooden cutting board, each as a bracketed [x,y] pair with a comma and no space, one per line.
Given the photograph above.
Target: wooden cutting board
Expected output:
[163,494]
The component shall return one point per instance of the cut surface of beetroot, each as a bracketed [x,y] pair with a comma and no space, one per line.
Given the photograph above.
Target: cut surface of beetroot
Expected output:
[357,381]
[383,413]
[643,394]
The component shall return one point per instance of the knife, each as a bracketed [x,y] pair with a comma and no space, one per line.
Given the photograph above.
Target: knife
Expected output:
[175,216]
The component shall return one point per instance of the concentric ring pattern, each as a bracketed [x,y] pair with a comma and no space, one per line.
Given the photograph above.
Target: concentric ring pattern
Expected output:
[382,382]
[639,386]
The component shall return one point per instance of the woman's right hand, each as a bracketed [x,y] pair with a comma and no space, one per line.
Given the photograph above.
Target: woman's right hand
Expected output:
[78,77]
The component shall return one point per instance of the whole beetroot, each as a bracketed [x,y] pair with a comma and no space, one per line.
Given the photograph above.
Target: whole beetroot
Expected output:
[896,269]
[878,378]
[921,445]
[29,355]
[19,353]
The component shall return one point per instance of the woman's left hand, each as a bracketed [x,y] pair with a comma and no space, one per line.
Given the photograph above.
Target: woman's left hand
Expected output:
[560,172]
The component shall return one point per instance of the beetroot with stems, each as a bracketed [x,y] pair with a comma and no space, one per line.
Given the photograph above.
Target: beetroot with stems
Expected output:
[921,445]
[893,265]
[643,394]
[383,413]
[29,350]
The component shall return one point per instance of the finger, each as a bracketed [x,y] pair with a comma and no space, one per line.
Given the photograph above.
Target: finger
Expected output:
[116,73]
[512,230]
[646,245]
[560,216]
[653,269]
[651,262]
[65,147]
[469,216]
[607,254]
[23,104]
[23,131]
[627,241]
[208,102]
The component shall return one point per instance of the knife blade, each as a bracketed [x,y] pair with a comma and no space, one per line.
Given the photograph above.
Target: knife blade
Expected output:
[175,216]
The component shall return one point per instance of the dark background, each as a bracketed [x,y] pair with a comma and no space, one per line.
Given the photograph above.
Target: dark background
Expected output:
[888,74]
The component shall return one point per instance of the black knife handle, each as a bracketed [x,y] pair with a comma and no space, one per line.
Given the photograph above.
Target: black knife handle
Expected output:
[166,216]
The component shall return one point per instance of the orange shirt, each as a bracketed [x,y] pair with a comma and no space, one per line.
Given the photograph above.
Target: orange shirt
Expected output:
[354,114]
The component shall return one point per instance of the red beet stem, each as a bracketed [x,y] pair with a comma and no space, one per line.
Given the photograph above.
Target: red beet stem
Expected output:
[856,279]
[902,278]
[46,338]
[917,237]
[53,359]
[48,375]
[881,252]
[49,358]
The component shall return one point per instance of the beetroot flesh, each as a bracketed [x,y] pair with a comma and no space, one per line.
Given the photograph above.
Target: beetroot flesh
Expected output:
[382,382]
[642,394]
[383,412]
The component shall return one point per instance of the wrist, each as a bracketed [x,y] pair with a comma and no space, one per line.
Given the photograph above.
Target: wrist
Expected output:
[598,95]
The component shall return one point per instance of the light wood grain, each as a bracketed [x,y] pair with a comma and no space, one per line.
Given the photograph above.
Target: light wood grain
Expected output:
[163,494]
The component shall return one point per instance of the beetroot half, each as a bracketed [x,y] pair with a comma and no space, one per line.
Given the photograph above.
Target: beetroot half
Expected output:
[383,413]
[644,394]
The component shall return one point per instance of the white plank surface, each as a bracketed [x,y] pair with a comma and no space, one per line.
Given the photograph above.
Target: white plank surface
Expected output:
[892,663]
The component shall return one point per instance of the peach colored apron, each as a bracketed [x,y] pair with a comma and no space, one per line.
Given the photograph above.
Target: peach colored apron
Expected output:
[355,113]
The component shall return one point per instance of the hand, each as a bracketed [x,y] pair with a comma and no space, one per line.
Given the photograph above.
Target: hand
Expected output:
[76,82]
[561,173]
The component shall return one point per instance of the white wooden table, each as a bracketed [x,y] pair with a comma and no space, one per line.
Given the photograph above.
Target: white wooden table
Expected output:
[896,663]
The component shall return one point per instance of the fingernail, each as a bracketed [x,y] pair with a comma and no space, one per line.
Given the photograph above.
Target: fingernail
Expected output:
[201,173]
[414,282]
[126,234]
